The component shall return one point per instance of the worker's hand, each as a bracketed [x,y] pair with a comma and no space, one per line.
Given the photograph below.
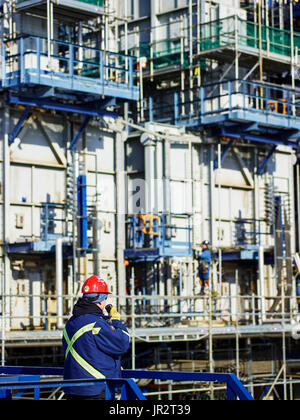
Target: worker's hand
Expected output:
[113,313]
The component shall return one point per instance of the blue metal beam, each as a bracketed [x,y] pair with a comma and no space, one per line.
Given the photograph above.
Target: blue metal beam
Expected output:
[224,153]
[92,111]
[260,139]
[260,169]
[18,126]
[235,386]
[79,133]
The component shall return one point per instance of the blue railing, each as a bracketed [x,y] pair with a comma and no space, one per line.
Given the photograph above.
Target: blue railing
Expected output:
[212,102]
[253,101]
[11,380]
[70,67]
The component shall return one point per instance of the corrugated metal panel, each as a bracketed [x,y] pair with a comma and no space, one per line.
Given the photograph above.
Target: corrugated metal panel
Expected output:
[181,197]
[108,234]
[49,184]
[107,191]
[21,181]
[103,146]
[179,161]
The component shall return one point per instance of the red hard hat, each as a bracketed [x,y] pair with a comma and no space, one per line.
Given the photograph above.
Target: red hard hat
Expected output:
[95,284]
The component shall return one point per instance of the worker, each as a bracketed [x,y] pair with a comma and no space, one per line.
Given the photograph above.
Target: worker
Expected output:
[93,342]
[204,267]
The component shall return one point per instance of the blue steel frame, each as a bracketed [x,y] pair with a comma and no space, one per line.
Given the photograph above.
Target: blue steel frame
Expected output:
[261,166]
[240,100]
[160,246]
[25,114]
[240,109]
[129,389]
[25,61]
[91,109]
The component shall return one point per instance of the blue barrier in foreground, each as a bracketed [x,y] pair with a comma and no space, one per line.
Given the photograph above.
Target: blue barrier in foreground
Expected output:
[18,378]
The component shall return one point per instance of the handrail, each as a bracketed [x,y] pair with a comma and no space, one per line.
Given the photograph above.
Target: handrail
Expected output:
[235,389]
[227,308]
[66,44]
[222,32]
[237,95]
[67,66]
[234,386]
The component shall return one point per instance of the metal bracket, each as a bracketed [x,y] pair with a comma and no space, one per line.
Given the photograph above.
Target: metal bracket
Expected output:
[79,133]
[224,153]
[262,166]
[18,126]
[91,110]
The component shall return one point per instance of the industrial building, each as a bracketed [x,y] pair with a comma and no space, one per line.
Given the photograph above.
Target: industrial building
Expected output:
[132,131]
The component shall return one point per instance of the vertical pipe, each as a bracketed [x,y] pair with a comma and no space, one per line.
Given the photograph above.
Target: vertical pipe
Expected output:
[59,279]
[284,363]
[198,41]
[48,31]
[6,219]
[237,344]
[132,320]
[210,342]
[220,212]
[151,55]
[212,197]
[121,210]
[22,60]
[74,220]
[260,43]
[182,74]
[262,282]
[51,27]
[97,226]
[167,175]
[191,55]
[236,34]
[149,152]
[298,203]
[142,117]
[126,37]
[2,316]
[292,57]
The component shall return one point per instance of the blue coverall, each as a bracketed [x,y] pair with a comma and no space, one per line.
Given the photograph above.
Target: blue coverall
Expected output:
[92,346]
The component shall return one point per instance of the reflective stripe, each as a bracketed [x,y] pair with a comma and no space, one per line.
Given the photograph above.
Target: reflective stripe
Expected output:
[83,363]
[125,332]
[96,330]
[78,334]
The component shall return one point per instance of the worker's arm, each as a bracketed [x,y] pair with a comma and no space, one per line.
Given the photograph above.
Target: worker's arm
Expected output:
[115,317]
[112,338]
